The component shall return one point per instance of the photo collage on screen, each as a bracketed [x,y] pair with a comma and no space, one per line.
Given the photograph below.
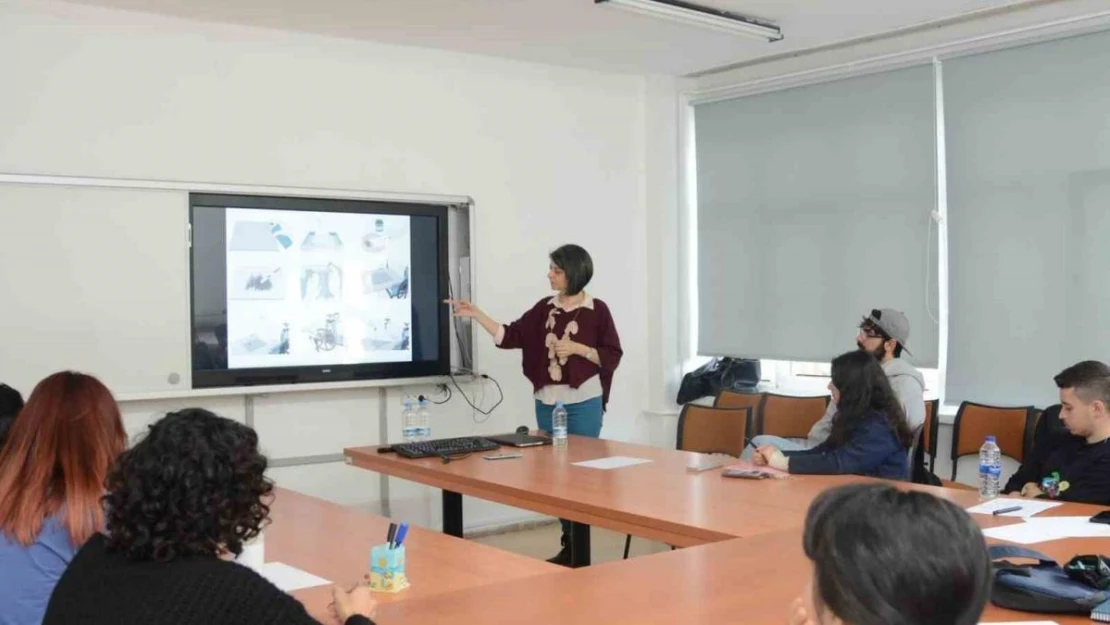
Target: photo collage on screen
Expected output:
[314,288]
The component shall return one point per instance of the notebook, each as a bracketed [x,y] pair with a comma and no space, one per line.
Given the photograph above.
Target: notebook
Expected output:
[743,468]
[1101,613]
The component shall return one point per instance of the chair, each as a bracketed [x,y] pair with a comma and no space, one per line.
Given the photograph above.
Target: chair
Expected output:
[1032,433]
[788,416]
[737,399]
[709,431]
[916,450]
[713,430]
[932,427]
[1011,427]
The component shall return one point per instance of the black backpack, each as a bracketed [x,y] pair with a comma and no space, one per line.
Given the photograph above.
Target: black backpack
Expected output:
[733,374]
[1039,587]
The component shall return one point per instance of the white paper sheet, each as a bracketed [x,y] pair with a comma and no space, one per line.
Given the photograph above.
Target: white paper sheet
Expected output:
[1074,526]
[1026,533]
[1029,507]
[612,462]
[1049,528]
[290,578]
[1019,623]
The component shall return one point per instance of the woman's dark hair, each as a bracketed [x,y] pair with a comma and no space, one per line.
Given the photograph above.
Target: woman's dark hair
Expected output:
[869,568]
[864,388]
[577,264]
[11,402]
[195,485]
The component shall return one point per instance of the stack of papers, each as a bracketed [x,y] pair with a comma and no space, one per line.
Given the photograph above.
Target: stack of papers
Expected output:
[744,465]
[290,578]
[705,462]
[612,462]
[1049,528]
[1029,507]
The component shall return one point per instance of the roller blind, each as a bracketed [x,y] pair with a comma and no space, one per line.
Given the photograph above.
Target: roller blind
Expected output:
[1028,134]
[813,207]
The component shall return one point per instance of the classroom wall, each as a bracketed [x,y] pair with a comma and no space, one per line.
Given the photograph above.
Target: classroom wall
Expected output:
[550,155]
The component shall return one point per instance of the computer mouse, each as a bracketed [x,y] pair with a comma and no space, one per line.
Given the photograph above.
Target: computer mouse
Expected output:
[522,429]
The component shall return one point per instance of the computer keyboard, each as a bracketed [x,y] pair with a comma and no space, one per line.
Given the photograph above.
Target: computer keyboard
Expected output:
[444,447]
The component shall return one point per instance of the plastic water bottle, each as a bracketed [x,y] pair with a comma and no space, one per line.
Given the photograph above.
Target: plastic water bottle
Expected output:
[423,421]
[990,469]
[409,428]
[559,425]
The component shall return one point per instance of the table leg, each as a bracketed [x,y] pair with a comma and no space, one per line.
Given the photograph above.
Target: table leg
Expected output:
[453,514]
[579,545]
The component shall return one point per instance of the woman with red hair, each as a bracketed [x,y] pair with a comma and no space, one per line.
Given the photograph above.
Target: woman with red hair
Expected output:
[52,476]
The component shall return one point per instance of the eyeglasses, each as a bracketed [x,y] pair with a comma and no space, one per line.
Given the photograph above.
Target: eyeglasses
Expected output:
[871,332]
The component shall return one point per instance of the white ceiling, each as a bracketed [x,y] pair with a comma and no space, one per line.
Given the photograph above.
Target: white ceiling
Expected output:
[575,32]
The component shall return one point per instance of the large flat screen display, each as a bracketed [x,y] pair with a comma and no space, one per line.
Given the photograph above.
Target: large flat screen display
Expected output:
[292,290]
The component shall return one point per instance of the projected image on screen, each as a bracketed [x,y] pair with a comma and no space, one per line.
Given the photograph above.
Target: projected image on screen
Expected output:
[295,290]
[317,288]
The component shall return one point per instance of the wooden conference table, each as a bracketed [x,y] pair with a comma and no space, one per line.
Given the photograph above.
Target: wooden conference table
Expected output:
[333,542]
[749,574]
[659,500]
[748,581]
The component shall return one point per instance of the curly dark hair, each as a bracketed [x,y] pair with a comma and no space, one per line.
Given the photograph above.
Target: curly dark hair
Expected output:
[195,485]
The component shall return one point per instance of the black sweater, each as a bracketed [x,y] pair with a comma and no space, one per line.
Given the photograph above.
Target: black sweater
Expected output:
[103,587]
[1047,438]
[1085,467]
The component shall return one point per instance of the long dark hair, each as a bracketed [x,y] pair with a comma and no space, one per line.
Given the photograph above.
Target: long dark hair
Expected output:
[868,565]
[864,388]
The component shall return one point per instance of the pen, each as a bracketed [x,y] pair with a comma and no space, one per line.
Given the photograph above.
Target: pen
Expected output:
[1005,510]
[401,533]
[391,534]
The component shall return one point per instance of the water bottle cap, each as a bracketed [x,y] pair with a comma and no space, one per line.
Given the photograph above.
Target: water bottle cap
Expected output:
[991,439]
[559,404]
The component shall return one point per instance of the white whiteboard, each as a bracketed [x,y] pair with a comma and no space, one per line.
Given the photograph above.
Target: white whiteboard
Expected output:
[96,280]
[94,277]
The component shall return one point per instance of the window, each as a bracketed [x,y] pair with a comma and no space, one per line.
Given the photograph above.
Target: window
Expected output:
[814,206]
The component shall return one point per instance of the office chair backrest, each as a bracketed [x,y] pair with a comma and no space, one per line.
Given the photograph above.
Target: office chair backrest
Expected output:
[736,399]
[713,430]
[788,416]
[1011,428]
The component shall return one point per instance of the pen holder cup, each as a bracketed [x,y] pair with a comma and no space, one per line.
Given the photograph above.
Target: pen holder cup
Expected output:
[387,569]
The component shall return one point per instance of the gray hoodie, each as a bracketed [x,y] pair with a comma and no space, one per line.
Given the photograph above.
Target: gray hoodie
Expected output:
[909,388]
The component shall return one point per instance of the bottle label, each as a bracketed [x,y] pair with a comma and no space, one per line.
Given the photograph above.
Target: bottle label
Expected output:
[560,432]
[991,470]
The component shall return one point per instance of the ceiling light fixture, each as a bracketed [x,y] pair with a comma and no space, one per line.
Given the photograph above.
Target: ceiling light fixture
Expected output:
[696,15]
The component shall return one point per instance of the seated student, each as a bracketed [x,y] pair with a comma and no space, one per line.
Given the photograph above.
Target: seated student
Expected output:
[11,402]
[1078,469]
[883,334]
[180,504]
[1048,436]
[52,474]
[882,556]
[869,433]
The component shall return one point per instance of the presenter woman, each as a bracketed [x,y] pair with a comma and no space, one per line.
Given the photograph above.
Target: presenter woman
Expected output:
[570,349]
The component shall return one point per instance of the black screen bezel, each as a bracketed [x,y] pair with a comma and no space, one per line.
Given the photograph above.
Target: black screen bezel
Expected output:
[272,376]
